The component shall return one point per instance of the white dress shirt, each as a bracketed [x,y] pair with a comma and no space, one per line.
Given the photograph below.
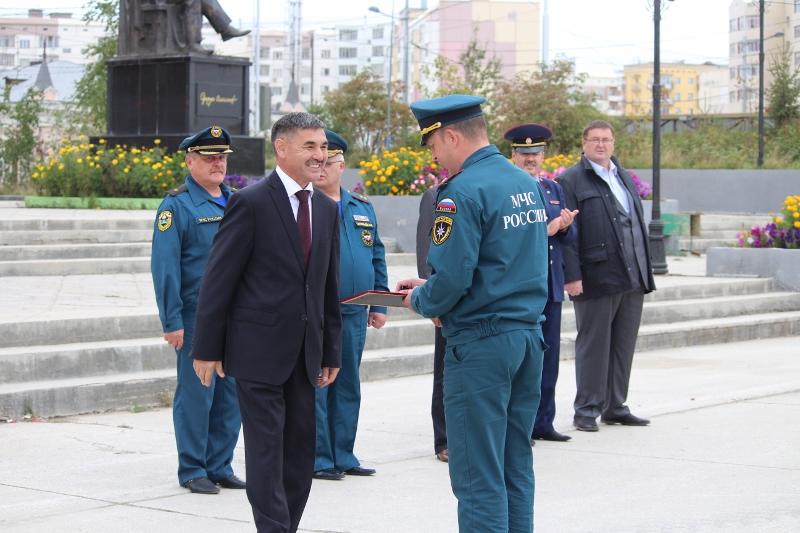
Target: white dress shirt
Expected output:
[612,178]
[292,187]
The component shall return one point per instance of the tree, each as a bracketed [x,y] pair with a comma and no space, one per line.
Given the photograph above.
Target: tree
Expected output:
[471,74]
[784,91]
[357,111]
[550,96]
[20,133]
[87,112]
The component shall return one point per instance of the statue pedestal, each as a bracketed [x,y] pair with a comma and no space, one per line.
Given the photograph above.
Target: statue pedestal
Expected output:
[172,97]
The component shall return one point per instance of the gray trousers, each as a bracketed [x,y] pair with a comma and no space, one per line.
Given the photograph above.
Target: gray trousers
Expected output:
[607,331]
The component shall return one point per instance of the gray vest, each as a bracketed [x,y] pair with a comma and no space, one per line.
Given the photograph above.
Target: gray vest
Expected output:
[633,243]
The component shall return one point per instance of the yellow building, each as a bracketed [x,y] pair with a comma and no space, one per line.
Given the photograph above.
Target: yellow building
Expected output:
[680,88]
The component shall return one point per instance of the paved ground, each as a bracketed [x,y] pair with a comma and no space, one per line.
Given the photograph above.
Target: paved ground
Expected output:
[720,456]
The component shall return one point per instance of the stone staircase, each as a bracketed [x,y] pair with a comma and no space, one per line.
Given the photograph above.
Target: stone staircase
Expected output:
[720,230]
[74,352]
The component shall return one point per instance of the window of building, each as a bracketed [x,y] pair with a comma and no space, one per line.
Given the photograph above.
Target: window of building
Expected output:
[24,43]
[277,73]
[264,52]
[277,91]
[6,59]
[377,51]
[325,54]
[348,53]
[691,111]
[677,81]
[733,49]
[691,96]
[6,41]
[797,6]
[677,97]
[377,33]
[733,25]
[306,53]
[797,32]
[84,51]
[733,72]
[263,70]
[740,23]
[325,88]
[752,21]
[348,70]
[325,71]
[277,55]
[304,89]
[348,35]
[52,41]
[797,59]
[67,50]
[691,81]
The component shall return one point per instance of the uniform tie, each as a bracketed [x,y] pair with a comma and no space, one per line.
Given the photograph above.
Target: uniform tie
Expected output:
[304,223]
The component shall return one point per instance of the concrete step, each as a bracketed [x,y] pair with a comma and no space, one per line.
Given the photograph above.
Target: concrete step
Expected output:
[12,204]
[74,237]
[397,362]
[700,244]
[80,329]
[707,331]
[670,311]
[731,222]
[140,221]
[400,334]
[73,251]
[92,394]
[76,267]
[65,361]
[401,259]
[724,234]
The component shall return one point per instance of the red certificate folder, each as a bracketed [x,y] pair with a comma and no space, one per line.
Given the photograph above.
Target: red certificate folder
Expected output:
[379,298]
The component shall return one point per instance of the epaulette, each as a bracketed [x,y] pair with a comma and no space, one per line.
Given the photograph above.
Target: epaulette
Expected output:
[359,197]
[176,191]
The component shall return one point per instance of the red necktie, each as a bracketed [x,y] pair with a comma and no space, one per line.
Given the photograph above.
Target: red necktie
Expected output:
[304,223]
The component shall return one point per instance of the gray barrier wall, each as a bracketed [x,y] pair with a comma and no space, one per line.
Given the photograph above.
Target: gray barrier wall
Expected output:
[757,192]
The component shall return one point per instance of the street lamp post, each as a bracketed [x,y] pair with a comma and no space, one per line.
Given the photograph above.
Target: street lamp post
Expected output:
[374,9]
[658,252]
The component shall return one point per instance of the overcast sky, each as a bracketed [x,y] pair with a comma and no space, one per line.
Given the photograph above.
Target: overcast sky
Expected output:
[601,35]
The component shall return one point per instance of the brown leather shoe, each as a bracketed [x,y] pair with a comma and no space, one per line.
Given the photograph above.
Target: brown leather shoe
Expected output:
[443,456]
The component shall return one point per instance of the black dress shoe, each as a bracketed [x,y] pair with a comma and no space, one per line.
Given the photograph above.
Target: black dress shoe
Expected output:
[231,33]
[627,420]
[329,473]
[585,423]
[360,471]
[552,435]
[201,485]
[231,482]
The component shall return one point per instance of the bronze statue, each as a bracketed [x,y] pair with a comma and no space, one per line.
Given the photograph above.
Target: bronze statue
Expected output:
[165,27]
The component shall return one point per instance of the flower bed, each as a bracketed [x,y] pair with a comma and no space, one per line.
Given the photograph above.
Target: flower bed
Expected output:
[782,232]
[401,173]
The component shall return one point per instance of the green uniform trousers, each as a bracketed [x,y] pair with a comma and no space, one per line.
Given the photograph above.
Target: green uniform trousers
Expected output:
[491,394]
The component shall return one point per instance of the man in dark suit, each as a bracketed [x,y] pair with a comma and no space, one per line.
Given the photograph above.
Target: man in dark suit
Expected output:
[528,142]
[268,315]
[427,205]
[607,272]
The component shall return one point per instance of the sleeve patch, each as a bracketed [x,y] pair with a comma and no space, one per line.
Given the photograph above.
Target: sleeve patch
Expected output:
[442,227]
[164,220]
[446,205]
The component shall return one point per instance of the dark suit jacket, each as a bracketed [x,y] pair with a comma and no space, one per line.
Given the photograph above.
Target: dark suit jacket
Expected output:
[257,303]
[554,202]
[427,204]
[598,257]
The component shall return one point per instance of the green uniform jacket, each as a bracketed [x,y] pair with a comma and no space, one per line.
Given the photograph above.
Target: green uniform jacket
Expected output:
[488,256]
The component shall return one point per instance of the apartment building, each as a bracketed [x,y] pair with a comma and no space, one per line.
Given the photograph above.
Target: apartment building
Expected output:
[680,88]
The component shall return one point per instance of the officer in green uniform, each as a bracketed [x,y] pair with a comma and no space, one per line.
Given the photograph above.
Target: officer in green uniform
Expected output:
[206,419]
[488,287]
[362,268]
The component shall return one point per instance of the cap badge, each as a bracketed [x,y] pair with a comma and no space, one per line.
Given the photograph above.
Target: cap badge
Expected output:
[216,131]
[528,140]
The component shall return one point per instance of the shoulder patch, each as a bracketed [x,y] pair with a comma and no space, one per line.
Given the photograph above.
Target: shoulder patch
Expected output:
[446,205]
[176,191]
[359,197]
[442,227]
[164,220]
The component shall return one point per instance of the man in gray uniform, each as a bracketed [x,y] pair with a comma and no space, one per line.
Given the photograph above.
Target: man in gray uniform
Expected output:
[607,273]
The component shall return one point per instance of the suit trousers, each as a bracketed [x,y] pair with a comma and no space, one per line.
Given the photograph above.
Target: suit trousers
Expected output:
[278,423]
[491,392]
[206,420]
[437,398]
[607,330]
[551,329]
[338,404]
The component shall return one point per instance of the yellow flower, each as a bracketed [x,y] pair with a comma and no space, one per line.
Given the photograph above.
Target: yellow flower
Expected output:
[779,221]
[135,159]
[433,166]
[91,163]
[79,160]
[169,173]
[157,141]
[81,136]
[383,179]
[60,167]
[394,189]
[183,164]
[405,163]
[35,175]
[102,141]
[400,182]
[367,183]
[796,224]
[362,172]
[796,214]
[164,185]
[126,170]
[114,162]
